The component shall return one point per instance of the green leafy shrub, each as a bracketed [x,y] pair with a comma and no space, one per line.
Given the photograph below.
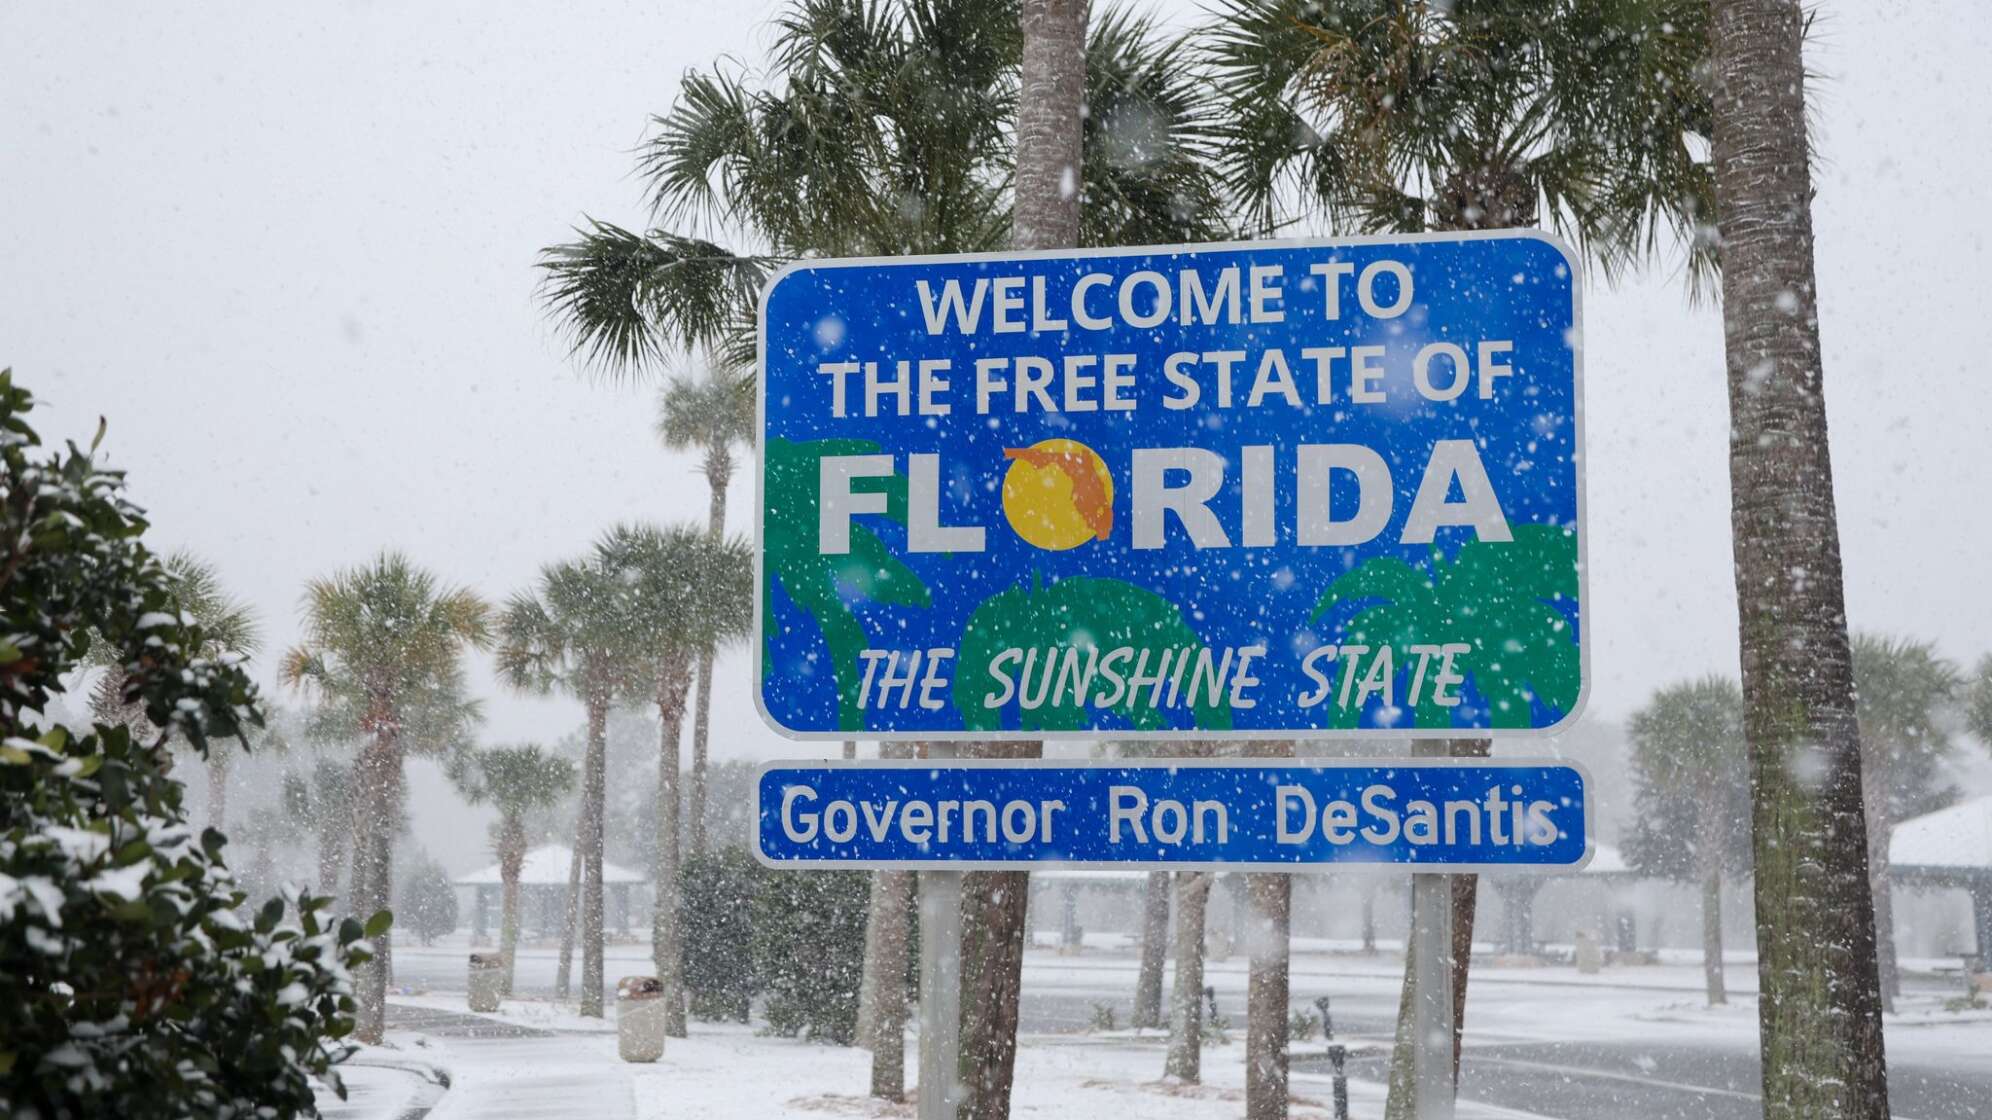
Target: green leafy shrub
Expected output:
[809,951]
[718,893]
[129,984]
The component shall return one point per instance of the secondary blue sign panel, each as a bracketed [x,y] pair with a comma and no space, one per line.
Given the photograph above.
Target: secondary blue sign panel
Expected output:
[1478,816]
[1250,490]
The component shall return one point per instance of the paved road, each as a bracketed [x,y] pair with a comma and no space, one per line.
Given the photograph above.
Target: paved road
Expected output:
[1580,1081]
[1625,1080]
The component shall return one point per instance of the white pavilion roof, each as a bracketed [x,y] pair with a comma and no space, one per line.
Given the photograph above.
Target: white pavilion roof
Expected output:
[1960,836]
[547,865]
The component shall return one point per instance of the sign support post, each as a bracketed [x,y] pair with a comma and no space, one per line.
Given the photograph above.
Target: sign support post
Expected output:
[940,982]
[1432,1088]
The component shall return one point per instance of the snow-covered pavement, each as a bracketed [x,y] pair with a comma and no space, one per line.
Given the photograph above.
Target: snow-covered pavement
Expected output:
[1542,1042]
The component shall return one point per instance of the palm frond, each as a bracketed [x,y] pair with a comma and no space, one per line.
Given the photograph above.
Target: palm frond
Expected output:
[625,299]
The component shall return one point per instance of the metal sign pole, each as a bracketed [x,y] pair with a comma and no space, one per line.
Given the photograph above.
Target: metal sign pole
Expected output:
[1432,1089]
[940,984]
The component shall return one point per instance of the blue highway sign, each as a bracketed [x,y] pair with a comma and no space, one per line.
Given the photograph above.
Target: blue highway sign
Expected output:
[1271,490]
[1459,816]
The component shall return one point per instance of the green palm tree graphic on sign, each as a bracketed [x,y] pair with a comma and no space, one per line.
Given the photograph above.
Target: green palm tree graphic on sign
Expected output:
[1506,599]
[1083,614]
[825,586]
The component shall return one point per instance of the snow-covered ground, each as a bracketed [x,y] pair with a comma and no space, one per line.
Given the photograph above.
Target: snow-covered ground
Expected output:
[1539,1038]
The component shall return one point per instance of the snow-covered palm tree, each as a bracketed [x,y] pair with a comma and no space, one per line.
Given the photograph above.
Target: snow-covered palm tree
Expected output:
[578,634]
[227,626]
[520,781]
[383,650]
[691,593]
[710,415]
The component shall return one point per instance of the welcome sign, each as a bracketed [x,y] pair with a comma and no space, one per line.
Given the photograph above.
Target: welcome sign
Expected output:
[1261,490]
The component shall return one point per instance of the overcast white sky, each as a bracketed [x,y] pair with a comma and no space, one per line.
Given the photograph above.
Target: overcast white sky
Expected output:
[288,252]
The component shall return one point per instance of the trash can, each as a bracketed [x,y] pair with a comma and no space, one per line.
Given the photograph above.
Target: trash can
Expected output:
[487,977]
[640,1018]
[1590,958]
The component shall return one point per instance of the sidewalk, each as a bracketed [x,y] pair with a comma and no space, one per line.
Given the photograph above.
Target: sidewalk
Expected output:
[496,1069]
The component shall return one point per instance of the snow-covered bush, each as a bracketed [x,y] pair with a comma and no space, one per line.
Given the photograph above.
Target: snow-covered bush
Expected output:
[717,893]
[812,992]
[427,901]
[130,984]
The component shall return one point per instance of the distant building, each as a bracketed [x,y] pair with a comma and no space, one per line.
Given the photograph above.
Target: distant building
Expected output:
[543,894]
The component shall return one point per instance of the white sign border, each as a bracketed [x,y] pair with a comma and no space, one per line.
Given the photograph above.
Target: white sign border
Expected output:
[1366,867]
[1310,734]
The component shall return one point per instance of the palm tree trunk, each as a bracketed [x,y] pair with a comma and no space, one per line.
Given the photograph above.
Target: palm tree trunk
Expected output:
[1185,1059]
[378,778]
[1712,934]
[593,788]
[1045,215]
[718,472]
[1154,950]
[511,855]
[868,974]
[894,894]
[995,908]
[217,787]
[1051,96]
[1268,946]
[572,917]
[868,986]
[1708,855]
[331,852]
[666,949]
[700,719]
[1819,1014]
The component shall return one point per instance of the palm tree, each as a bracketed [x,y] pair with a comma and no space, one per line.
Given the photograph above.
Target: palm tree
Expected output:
[1978,701]
[324,803]
[690,593]
[1819,1012]
[879,129]
[886,128]
[1906,692]
[227,626]
[383,648]
[579,635]
[1395,117]
[1688,761]
[1387,116]
[1051,171]
[709,415]
[520,781]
